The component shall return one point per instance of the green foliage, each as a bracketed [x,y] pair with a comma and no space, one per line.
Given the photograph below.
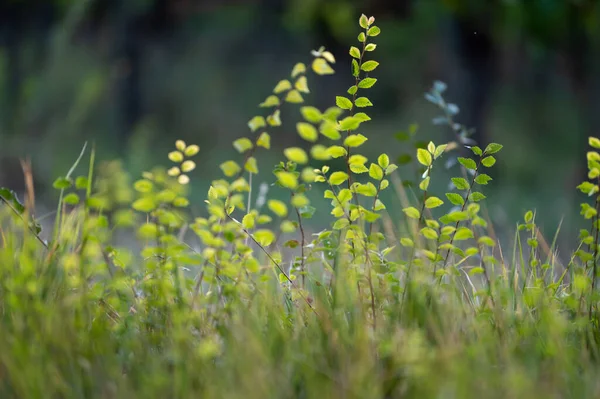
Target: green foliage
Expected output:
[223,303]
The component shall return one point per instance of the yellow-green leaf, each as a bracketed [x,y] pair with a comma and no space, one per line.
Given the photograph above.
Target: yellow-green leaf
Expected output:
[311,114]
[412,212]
[337,178]
[282,86]
[294,96]
[375,172]
[354,140]
[302,85]
[336,151]
[433,202]
[287,179]
[321,67]
[230,168]
[307,131]
[278,207]
[296,154]
[251,165]
[343,102]
[264,140]
[424,157]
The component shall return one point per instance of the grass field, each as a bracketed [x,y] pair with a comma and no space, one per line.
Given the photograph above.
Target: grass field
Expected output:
[130,295]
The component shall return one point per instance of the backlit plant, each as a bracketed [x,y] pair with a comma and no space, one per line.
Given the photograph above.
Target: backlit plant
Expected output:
[258,297]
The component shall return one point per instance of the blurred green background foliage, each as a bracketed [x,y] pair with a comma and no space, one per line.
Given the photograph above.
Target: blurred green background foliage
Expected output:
[132,76]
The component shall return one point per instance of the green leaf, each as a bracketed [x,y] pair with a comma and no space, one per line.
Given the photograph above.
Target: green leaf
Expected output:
[181,202]
[477,151]
[476,270]
[412,212]
[256,123]
[476,196]
[298,69]
[357,159]
[467,163]
[369,66]
[354,52]
[373,31]
[487,241]
[463,233]
[230,168]
[321,67]
[460,183]
[355,68]
[264,237]
[370,47]
[264,140]
[483,179]
[367,83]
[145,204]
[358,168]
[175,156]
[424,157]
[363,21]
[251,165]
[457,216]
[528,217]
[296,154]
[337,151]
[433,202]
[248,221]
[340,224]
[378,205]
[363,102]
[455,199]
[301,85]
[307,212]
[407,242]
[329,130]
[439,150]
[279,208]
[350,123]
[362,117]
[338,178]
[271,101]
[429,233]
[307,131]
[362,37]
[81,183]
[383,160]
[375,172]
[368,189]
[424,185]
[71,199]
[242,145]
[352,90]
[390,169]
[343,102]
[488,162]
[311,114]
[355,140]
[282,85]
[143,186]
[287,179]
[294,97]
[492,148]
[62,183]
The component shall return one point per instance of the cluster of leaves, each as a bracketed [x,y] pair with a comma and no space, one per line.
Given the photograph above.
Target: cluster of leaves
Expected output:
[247,300]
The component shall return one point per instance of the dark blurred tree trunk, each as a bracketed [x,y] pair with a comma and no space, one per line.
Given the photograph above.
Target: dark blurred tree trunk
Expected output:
[474,47]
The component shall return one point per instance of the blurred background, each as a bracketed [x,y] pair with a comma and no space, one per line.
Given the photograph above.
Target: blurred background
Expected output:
[135,75]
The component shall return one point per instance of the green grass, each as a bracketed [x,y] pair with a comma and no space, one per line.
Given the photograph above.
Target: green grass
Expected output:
[265,295]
